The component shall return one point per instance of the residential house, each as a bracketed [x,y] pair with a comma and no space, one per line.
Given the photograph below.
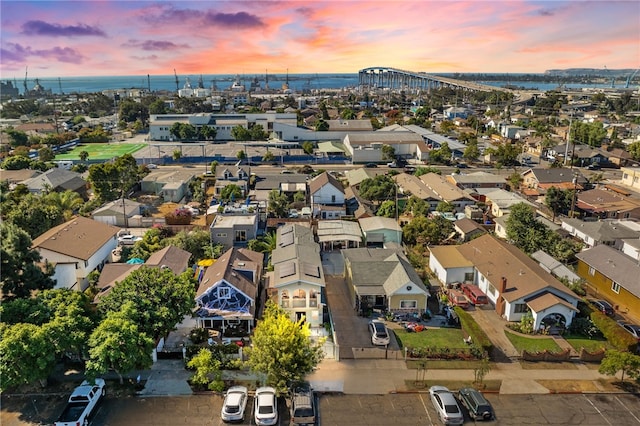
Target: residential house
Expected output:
[228,292]
[76,248]
[297,281]
[288,184]
[119,212]
[554,267]
[477,180]
[410,184]
[366,147]
[234,230]
[356,176]
[614,276]
[542,179]
[605,204]
[58,180]
[631,177]
[583,155]
[501,201]
[435,140]
[171,185]
[14,177]
[631,247]
[514,283]
[170,257]
[380,231]
[337,234]
[383,279]
[447,192]
[468,229]
[341,125]
[455,112]
[619,157]
[509,131]
[326,191]
[232,175]
[607,232]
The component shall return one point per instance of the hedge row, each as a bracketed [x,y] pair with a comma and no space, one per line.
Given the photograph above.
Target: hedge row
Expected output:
[471,327]
[618,337]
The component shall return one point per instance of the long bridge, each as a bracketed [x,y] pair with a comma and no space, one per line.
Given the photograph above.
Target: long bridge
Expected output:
[397,79]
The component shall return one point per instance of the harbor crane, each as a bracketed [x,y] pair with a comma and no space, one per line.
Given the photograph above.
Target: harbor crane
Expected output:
[626,86]
[177,83]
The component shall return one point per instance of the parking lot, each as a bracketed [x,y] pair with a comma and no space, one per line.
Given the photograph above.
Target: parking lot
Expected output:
[340,410]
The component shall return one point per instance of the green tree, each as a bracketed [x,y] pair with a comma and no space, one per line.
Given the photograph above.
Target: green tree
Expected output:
[112,180]
[523,230]
[299,197]
[16,137]
[268,157]
[424,170]
[46,154]
[83,155]
[558,200]
[177,154]
[417,206]
[25,355]
[208,132]
[21,274]
[422,230]
[278,203]
[387,209]
[66,202]
[160,299]
[282,350]
[239,133]
[231,191]
[197,242]
[379,188]
[264,244]
[205,365]
[321,126]
[446,126]
[445,207]
[515,180]
[157,107]
[118,344]
[307,147]
[241,155]
[615,361]
[16,162]
[471,152]
[388,152]
[258,133]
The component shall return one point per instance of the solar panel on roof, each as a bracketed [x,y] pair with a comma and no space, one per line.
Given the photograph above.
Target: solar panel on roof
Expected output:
[286,240]
[287,270]
[311,270]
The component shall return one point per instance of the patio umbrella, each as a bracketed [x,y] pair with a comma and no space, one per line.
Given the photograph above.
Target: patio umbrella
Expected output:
[135,261]
[206,262]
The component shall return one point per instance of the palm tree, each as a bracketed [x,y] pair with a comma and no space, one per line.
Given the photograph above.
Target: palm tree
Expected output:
[66,202]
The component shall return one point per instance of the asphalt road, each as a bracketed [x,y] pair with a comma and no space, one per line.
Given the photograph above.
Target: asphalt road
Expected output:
[338,410]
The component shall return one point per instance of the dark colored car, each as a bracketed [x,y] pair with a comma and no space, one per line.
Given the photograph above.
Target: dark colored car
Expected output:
[604,307]
[371,165]
[478,406]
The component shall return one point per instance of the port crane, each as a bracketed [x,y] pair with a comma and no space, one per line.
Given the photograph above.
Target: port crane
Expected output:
[626,86]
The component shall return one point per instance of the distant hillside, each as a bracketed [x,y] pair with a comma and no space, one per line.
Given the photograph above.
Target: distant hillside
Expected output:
[590,72]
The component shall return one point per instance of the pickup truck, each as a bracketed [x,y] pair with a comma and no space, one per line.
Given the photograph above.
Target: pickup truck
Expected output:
[81,404]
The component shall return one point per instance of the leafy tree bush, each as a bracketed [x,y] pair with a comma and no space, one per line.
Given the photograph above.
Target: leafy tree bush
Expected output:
[616,335]
[626,362]
[477,334]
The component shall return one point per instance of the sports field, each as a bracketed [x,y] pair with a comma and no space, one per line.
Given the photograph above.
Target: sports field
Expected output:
[101,151]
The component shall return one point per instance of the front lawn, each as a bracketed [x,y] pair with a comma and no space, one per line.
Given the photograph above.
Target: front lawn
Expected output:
[531,344]
[579,341]
[451,338]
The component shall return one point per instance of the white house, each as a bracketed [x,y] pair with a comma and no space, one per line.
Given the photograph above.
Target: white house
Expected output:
[76,248]
[325,190]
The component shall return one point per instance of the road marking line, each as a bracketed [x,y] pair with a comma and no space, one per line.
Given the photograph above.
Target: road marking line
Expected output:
[596,408]
[425,409]
[625,407]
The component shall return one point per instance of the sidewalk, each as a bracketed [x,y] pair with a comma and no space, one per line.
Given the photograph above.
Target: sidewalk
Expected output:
[384,376]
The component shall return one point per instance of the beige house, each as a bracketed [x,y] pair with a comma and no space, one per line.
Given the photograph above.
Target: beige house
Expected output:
[383,279]
[631,177]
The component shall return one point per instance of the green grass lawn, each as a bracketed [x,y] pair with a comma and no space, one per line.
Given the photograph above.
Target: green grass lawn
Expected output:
[101,151]
[531,344]
[592,345]
[432,338]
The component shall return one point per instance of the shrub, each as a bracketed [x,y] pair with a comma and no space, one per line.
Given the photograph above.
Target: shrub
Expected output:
[616,335]
[585,327]
[471,327]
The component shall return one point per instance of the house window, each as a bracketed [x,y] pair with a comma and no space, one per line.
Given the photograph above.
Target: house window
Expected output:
[520,308]
[241,235]
[491,290]
[221,235]
[615,287]
[408,304]
[224,293]
[333,198]
[592,271]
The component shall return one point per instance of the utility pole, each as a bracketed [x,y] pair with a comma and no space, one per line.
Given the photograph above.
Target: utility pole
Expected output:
[176,75]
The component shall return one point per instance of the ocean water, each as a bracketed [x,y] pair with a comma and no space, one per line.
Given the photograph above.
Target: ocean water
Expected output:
[296,82]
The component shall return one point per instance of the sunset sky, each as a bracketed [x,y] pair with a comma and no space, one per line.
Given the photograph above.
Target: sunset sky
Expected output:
[96,38]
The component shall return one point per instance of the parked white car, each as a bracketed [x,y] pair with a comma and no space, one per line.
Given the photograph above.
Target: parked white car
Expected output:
[235,401]
[379,333]
[128,240]
[266,406]
[446,405]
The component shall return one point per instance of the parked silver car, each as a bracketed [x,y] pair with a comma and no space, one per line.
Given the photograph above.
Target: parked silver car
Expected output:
[379,333]
[446,405]
[235,401]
